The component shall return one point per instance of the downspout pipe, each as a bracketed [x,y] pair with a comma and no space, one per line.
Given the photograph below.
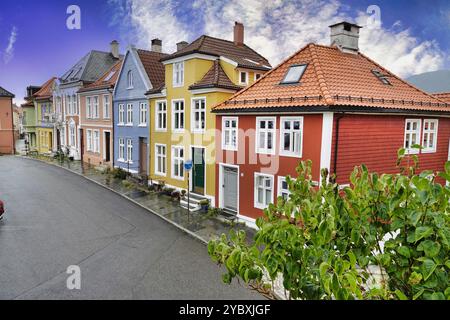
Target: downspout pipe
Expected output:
[336,145]
[113,135]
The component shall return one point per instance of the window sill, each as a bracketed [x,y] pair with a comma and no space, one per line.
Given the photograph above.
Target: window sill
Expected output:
[129,125]
[265,152]
[121,124]
[178,178]
[428,151]
[178,131]
[202,131]
[124,161]
[260,206]
[411,151]
[178,85]
[142,126]
[160,130]
[160,174]
[225,148]
[290,155]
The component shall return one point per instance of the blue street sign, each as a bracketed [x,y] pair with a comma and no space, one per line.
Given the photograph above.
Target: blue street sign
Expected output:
[188,165]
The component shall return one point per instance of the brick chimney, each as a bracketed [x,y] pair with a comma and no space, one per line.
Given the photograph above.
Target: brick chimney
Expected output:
[238,34]
[182,45]
[156,45]
[345,36]
[115,49]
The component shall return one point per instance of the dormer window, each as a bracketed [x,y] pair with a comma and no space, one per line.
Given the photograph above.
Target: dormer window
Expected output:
[382,77]
[178,74]
[243,77]
[294,74]
[130,79]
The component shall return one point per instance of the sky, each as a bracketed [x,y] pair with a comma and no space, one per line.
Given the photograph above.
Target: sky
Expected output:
[406,36]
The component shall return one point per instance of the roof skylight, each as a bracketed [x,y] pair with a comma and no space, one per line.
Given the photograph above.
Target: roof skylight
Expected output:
[382,77]
[110,75]
[294,74]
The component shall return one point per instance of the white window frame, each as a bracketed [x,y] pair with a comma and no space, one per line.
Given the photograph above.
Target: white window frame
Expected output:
[255,75]
[121,150]
[96,140]
[95,108]
[157,158]
[121,120]
[265,150]
[427,132]
[194,111]
[177,161]
[72,135]
[174,128]
[106,107]
[280,189]
[89,139]
[75,104]
[178,68]
[129,114]
[282,152]
[229,131]
[143,112]
[89,107]
[69,104]
[129,151]
[246,77]
[256,189]
[162,114]
[410,133]
[130,79]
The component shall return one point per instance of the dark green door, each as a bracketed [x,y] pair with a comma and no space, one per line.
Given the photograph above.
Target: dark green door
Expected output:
[198,170]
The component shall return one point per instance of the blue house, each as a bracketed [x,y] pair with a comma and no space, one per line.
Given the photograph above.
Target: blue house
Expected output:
[141,71]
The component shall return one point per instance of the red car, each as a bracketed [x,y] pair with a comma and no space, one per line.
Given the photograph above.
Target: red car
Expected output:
[2,209]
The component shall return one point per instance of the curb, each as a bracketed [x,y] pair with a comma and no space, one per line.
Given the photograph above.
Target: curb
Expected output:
[187,231]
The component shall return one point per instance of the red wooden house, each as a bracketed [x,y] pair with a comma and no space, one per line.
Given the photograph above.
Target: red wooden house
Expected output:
[332,105]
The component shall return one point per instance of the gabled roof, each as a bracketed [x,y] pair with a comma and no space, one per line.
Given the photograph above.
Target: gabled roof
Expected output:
[106,81]
[5,93]
[215,78]
[46,90]
[332,79]
[243,55]
[153,67]
[91,67]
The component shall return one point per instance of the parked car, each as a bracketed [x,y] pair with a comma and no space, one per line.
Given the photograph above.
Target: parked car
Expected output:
[2,209]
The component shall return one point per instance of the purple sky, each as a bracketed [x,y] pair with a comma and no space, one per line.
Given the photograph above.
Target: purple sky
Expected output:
[44,47]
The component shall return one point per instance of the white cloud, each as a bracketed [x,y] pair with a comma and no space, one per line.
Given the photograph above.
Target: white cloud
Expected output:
[278,28]
[9,51]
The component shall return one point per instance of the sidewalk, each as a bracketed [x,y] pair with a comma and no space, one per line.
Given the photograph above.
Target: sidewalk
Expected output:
[203,226]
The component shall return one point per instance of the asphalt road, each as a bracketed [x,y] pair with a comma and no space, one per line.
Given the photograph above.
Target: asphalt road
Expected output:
[55,219]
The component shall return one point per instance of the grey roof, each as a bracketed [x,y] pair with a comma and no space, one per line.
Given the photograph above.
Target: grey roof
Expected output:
[5,93]
[90,68]
[432,82]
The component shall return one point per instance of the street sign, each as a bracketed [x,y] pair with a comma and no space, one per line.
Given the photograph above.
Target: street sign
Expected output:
[188,165]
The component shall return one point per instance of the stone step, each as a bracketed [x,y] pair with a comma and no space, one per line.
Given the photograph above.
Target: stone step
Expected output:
[192,205]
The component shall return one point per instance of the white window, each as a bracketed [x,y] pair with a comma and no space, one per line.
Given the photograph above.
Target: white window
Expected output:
[89,140]
[161,115]
[106,107]
[178,74]
[130,79]
[143,114]
[429,140]
[88,107]
[121,149]
[74,105]
[129,150]
[121,114]
[230,133]
[412,134]
[72,135]
[95,108]
[58,105]
[257,76]
[96,141]
[294,74]
[243,77]
[263,190]
[178,115]
[283,188]
[129,114]
[291,136]
[160,159]
[198,115]
[265,135]
[178,163]
[69,104]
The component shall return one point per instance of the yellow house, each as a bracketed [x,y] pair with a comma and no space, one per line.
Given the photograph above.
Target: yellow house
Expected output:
[45,122]
[198,76]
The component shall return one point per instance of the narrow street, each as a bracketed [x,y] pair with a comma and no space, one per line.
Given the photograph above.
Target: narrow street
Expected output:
[55,219]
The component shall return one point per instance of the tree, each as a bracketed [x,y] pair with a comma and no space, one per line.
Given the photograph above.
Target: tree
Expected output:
[324,239]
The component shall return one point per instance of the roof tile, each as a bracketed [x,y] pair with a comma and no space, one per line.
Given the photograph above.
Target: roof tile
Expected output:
[215,78]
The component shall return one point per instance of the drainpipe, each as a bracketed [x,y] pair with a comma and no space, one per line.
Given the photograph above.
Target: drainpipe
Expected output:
[336,145]
[111,90]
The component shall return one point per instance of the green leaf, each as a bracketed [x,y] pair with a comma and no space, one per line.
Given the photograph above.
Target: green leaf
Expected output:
[431,248]
[414,217]
[401,295]
[447,264]
[427,268]
[404,251]
[323,268]
[437,296]
[422,232]
[418,294]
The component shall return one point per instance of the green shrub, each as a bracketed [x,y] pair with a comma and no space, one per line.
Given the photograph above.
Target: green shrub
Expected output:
[323,240]
[119,173]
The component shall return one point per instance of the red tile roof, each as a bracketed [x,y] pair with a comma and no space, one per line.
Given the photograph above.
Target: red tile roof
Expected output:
[332,79]
[106,81]
[243,55]
[445,96]
[46,90]
[215,78]
[152,65]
